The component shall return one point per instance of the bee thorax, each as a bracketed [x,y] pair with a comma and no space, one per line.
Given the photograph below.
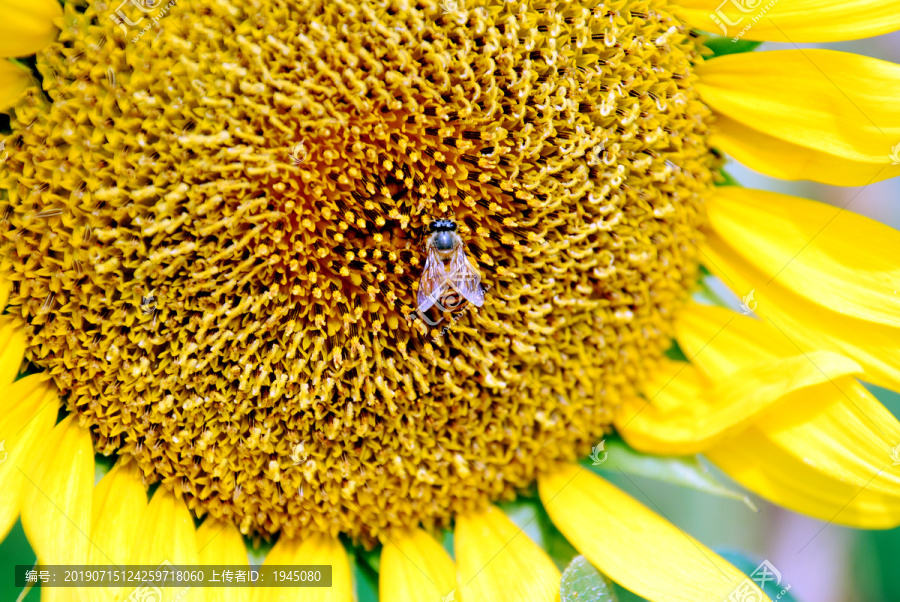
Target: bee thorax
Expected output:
[445,242]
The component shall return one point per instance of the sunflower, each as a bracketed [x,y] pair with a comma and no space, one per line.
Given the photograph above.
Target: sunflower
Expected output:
[213,224]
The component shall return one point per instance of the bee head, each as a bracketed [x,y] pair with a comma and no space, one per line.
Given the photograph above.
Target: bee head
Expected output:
[443,225]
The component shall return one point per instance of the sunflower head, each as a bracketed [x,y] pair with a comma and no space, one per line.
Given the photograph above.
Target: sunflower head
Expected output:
[214,251]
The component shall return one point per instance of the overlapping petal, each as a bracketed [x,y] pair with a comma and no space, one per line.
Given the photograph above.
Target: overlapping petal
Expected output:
[834,257]
[741,368]
[218,544]
[832,432]
[415,567]
[776,468]
[316,549]
[782,159]
[701,412]
[28,410]
[56,513]
[855,317]
[166,536]
[119,500]
[727,345]
[836,103]
[495,560]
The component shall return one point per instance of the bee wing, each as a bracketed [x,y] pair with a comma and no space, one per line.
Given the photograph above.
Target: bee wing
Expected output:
[464,277]
[433,283]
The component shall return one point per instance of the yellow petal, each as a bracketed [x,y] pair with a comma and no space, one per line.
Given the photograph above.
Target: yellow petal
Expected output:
[166,535]
[317,549]
[221,543]
[13,81]
[727,345]
[832,102]
[56,508]
[701,412]
[495,560]
[801,315]
[782,159]
[415,567]
[631,544]
[12,350]
[826,453]
[794,21]
[697,406]
[835,257]
[841,429]
[167,531]
[759,465]
[27,26]
[119,501]
[28,410]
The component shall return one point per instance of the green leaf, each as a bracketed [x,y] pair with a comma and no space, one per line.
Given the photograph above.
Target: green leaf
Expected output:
[686,471]
[748,567]
[581,582]
[722,46]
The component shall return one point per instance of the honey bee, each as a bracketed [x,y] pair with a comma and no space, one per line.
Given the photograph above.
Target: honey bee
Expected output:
[448,273]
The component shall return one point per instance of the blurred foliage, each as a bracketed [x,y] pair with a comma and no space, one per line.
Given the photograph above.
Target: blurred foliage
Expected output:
[14,550]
